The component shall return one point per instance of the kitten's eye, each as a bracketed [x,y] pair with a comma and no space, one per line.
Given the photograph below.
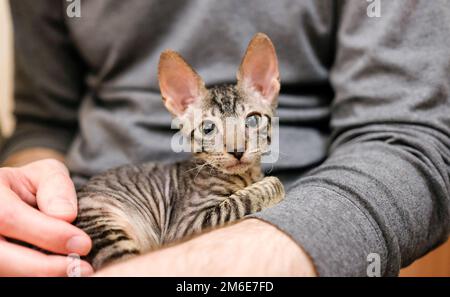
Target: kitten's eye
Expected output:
[208,128]
[252,121]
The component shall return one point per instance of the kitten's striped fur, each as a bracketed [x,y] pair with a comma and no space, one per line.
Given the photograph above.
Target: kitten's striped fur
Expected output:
[133,209]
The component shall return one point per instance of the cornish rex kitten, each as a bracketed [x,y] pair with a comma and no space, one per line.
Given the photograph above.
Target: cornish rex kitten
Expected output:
[133,209]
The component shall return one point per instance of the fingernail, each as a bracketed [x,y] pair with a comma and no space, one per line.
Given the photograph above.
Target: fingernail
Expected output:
[78,244]
[61,206]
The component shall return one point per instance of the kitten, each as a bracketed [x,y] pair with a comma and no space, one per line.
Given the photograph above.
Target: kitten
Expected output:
[133,209]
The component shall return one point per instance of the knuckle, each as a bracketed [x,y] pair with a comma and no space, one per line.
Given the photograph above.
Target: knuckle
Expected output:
[45,165]
[57,173]
[54,164]
[61,181]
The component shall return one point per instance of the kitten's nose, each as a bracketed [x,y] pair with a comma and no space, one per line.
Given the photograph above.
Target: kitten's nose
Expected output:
[237,155]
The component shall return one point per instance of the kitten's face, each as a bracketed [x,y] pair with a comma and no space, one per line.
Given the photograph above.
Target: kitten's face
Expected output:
[230,130]
[229,125]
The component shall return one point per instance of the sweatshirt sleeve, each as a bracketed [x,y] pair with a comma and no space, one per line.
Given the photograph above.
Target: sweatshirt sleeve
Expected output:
[384,187]
[48,80]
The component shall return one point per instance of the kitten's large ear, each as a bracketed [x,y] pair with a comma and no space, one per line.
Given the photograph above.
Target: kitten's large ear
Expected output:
[259,68]
[180,85]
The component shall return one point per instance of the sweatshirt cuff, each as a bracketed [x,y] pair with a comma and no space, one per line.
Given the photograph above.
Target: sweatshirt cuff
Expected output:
[27,135]
[340,238]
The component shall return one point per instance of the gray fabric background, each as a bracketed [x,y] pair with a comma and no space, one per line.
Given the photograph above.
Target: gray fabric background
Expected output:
[365,104]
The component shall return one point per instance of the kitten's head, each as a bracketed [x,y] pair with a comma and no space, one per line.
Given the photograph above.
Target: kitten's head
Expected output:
[228,125]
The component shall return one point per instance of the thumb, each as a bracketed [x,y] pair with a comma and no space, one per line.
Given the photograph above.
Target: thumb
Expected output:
[55,191]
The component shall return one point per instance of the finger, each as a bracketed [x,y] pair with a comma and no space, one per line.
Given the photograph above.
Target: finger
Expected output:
[14,179]
[16,260]
[56,197]
[55,191]
[20,221]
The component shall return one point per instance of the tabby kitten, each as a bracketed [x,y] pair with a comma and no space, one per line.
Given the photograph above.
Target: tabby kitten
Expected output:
[133,209]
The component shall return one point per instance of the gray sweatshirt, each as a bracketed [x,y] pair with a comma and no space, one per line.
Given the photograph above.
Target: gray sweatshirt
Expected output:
[364,107]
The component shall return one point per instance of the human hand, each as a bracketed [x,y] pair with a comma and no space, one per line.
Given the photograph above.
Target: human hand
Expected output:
[248,248]
[37,204]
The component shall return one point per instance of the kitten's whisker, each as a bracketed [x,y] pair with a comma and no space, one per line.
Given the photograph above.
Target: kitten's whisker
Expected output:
[280,153]
[254,151]
[271,168]
[196,167]
[201,166]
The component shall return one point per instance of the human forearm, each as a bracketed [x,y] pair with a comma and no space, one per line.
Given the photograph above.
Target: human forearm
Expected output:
[384,187]
[26,156]
[372,195]
[248,248]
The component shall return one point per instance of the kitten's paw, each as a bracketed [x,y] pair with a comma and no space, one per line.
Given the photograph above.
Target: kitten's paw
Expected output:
[277,187]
